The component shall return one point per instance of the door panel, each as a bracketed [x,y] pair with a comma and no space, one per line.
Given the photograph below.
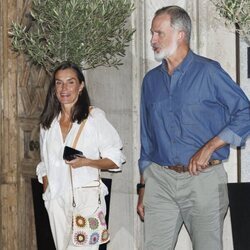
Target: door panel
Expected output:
[32,90]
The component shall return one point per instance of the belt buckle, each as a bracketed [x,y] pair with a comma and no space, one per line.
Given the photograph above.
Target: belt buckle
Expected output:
[214,162]
[180,169]
[177,168]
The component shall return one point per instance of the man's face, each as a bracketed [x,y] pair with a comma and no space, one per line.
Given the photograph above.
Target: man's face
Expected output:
[164,39]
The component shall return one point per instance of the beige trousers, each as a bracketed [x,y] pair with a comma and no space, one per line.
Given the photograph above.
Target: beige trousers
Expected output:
[172,199]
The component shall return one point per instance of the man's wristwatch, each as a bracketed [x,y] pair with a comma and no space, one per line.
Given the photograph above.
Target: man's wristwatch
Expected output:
[139,186]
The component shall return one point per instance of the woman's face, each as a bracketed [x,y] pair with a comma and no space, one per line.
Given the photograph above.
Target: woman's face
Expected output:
[67,86]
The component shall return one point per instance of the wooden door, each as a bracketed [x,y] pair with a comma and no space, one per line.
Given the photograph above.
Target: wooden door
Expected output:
[22,93]
[31,92]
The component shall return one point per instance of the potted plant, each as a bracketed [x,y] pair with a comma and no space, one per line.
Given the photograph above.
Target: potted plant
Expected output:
[237,13]
[90,33]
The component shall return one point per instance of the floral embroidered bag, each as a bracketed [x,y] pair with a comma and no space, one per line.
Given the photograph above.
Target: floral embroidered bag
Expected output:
[92,229]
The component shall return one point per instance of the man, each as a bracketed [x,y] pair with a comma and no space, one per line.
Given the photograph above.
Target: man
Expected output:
[191,111]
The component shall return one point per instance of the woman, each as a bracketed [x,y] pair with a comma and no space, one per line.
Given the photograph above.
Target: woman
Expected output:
[67,106]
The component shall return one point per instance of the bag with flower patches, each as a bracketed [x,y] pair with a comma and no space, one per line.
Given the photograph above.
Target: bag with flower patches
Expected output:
[90,230]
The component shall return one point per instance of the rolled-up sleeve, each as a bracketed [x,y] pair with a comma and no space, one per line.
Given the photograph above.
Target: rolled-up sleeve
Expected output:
[228,136]
[146,145]
[41,169]
[237,105]
[109,141]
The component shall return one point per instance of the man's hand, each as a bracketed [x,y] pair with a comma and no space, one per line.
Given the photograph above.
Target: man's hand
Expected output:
[200,159]
[140,206]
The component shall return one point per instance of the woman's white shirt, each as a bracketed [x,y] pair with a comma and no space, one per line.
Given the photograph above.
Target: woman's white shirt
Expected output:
[99,139]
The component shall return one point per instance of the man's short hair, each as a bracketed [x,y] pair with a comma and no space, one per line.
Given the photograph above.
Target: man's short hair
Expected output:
[179,19]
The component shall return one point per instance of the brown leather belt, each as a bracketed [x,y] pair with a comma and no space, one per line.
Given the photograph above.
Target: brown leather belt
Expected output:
[183,169]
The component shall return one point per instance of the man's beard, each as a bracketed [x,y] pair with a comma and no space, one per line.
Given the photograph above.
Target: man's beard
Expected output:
[166,52]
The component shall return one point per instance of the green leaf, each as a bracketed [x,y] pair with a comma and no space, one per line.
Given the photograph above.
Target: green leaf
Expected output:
[92,33]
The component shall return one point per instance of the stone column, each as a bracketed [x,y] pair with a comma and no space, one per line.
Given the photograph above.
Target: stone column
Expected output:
[8,133]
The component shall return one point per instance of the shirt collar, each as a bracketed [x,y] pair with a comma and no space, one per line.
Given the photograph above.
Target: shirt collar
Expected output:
[184,64]
[59,116]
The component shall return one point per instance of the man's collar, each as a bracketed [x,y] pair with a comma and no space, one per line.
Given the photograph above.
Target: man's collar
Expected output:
[183,66]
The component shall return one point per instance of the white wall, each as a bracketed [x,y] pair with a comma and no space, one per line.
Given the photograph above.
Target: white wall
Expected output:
[117,92]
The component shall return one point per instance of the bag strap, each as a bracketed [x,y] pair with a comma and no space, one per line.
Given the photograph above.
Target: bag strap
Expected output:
[70,168]
[78,133]
[71,178]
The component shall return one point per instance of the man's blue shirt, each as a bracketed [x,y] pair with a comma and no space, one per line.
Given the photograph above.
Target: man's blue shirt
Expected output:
[181,112]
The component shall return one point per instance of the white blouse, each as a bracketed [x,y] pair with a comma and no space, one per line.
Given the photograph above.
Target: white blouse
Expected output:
[98,139]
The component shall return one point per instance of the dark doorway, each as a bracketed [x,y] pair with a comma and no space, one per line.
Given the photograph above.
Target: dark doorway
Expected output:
[239,202]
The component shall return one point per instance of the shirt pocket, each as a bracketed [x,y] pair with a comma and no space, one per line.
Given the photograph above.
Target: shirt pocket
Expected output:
[157,109]
[191,113]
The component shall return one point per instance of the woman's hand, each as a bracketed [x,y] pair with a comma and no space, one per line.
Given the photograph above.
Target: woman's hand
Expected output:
[78,162]
[45,183]
[104,164]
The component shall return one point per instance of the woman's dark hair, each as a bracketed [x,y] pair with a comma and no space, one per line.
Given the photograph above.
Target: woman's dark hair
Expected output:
[52,107]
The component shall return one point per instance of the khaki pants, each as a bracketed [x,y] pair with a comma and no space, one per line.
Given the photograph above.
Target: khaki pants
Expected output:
[171,199]
[60,215]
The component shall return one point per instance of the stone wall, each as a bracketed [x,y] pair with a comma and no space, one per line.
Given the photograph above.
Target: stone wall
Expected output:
[118,93]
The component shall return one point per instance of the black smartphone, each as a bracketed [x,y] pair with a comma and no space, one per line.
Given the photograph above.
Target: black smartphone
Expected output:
[70,154]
